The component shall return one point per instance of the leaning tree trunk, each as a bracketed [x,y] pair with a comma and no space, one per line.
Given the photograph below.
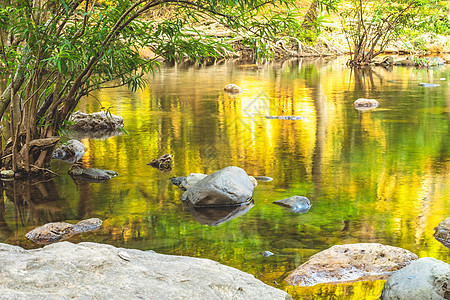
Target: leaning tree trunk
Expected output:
[311,16]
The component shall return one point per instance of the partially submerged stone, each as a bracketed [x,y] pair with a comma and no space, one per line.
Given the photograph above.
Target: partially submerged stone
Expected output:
[291,118]
[226,187]
[163,163]
[263,178]
[71,151]
[214,216]
[364,104]
[102,121]
[428,84]
[232,89]
[7,174]
[93,174]
[266,253]
[353,262]
[442,232]
[424,279]
[296,204]
[59,231]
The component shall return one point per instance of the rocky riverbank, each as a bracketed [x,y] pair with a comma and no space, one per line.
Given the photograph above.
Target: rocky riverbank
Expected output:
[96,271]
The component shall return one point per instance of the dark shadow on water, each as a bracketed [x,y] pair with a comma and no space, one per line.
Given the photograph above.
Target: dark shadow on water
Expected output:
[214,216]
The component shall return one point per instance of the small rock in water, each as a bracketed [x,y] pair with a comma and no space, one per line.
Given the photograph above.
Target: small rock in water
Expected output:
[363,104]
[93,174]
[232,89]
[71,151]
[177,181]
[428,84]
[7,173]
[163,163]
[263,178]
[296,204]
[60,231]
[291,118]
[266,253]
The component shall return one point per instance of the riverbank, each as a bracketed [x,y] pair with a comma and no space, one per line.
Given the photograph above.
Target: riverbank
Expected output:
[97,271]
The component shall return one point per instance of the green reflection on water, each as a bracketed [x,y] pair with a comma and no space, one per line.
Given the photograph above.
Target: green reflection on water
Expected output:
[379,176]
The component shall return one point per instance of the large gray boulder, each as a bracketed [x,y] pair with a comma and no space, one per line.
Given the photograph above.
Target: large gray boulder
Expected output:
[352,262]
[95,271]
[423,279]
[442,232]
[226,187]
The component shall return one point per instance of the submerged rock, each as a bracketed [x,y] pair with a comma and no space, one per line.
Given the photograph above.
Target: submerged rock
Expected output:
[163,163]
[353,262]
[214,216]
[55,232]
[296,204]
[266,253]
[232,89]
[177,181]
[71,151]
[428,84]
[424,279]
[442,232]
[407,62]
[96,271]
[292,118]
[364,104]
[96,121]
[226,187]
[263,178]
[93,174]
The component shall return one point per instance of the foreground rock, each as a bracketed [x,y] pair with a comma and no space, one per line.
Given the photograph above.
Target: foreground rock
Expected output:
[102,121]
[71,151]
[163,163]
[55,232]
[424,279]
[226,187]
[363,104]
[296,204]
[232,89]
[442,232]
[353,262]
[95,271]
[93,174]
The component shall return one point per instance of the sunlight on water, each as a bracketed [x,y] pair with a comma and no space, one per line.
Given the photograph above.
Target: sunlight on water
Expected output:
[376,176]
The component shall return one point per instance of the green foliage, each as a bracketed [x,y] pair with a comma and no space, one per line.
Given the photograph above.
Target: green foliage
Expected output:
[61,51]
[371,25]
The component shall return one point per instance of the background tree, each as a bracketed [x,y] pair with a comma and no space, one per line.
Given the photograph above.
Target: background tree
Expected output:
[56,52]
[370,26]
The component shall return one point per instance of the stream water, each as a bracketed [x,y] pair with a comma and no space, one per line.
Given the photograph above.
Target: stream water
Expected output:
[376,176]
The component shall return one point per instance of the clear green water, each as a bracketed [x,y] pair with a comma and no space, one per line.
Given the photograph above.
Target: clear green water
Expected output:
[379,176]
